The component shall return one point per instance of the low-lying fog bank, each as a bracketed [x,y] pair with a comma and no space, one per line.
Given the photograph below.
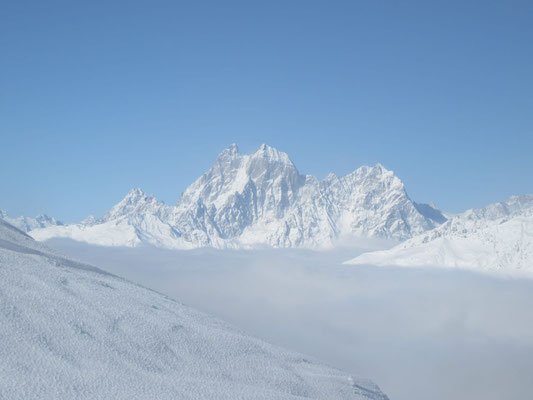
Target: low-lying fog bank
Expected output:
[418,333]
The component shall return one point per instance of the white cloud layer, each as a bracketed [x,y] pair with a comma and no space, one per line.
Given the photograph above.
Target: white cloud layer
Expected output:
[417,333]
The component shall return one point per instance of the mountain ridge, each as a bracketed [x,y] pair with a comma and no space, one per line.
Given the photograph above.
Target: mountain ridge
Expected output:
[27,224]
[495,238]
[261,199]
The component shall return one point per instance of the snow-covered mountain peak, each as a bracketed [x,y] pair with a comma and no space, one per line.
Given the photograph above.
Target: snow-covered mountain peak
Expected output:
[258,199]
[234,173]
[229,153]
[269,167]
[27,224]
[330,177]
[498,237]
[265,157]
[135,201]
[478,219]
[267,152]
[379,185]
[268,157]
[509,207]
[90,220]
[233,148]
[376,173]
[378,168]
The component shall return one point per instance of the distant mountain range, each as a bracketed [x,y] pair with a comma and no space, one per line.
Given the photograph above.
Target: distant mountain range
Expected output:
[497,238]
[28,224]
[261,200]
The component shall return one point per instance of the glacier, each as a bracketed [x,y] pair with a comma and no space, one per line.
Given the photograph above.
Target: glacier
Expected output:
[261,200]
[70,330]
[497,238]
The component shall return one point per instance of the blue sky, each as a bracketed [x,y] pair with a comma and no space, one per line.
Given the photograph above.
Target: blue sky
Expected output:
[99,97]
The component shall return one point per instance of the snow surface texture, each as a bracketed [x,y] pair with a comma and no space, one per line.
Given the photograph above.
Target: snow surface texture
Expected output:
[28,224]
[496,238]
[71,331]
[247,201]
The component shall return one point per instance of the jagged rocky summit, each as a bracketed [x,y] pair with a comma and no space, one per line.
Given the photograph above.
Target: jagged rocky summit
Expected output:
[261,199]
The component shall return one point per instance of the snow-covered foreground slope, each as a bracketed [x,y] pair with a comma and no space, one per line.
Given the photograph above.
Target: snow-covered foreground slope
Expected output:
[247,201]
[496,238]
[71,331]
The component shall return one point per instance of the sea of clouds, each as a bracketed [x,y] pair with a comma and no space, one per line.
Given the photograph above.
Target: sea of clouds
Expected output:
[418,333]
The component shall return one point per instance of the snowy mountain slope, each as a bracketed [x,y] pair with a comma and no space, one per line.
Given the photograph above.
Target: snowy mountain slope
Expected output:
[136,220]
[498,237]
[72,331]
[28,224]
[261,199]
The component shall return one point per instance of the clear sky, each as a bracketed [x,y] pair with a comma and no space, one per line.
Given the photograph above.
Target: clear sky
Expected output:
[97,97]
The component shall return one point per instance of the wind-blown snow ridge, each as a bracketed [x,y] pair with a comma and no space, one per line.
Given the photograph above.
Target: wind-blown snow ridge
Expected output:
[496,238]
[71,331]
[261,199]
